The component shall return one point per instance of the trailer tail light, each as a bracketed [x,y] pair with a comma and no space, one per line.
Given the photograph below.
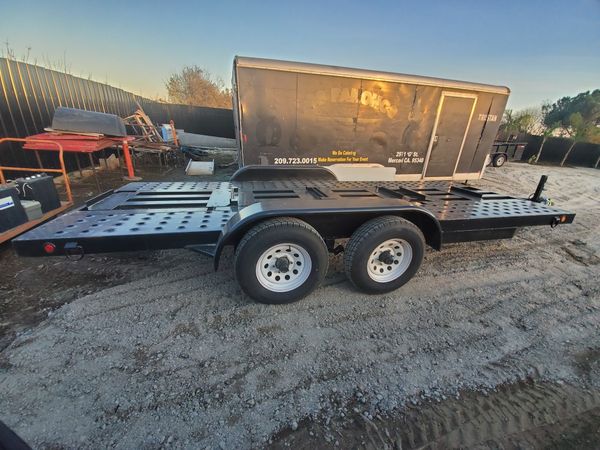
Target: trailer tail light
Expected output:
[49,248]
[563,219]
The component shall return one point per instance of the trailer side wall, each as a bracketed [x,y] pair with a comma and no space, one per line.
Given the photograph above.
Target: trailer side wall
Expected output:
[287,117]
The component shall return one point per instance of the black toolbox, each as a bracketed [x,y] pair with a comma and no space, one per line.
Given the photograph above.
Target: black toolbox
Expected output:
[12,213]
[40,188]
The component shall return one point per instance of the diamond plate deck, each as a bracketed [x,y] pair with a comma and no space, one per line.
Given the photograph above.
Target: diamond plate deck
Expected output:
[176,214]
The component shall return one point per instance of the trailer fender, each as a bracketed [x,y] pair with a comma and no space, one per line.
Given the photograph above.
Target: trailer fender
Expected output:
[321,219]
[256,172]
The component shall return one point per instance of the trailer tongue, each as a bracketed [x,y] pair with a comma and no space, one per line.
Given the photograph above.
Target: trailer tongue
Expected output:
[282,226]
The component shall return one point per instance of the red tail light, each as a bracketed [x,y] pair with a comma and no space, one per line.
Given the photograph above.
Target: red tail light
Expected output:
[49,247]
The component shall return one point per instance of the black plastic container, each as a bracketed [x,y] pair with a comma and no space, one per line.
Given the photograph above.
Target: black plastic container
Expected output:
[12,213]
[80,121]
[40,188]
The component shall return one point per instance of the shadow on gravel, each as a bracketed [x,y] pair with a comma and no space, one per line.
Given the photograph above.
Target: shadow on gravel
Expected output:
[34,287]
[522,415]
[31,288]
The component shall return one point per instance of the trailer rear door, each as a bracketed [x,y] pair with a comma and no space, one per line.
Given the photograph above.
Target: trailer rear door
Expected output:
[448,138]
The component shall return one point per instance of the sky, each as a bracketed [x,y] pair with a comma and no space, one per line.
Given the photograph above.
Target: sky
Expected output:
[542,50]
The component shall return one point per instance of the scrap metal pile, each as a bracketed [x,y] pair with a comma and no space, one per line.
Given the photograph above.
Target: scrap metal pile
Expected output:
[88,132]
[149,139]
[141,141]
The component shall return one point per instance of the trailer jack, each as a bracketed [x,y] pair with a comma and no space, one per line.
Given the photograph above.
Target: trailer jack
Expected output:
[537,196]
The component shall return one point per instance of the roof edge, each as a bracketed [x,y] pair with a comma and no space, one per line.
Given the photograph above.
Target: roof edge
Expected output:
[321,69]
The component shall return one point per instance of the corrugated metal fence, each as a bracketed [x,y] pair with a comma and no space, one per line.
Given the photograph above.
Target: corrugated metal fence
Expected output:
[29,94]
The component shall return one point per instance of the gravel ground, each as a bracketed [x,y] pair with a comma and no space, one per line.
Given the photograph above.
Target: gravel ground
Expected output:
[180,358]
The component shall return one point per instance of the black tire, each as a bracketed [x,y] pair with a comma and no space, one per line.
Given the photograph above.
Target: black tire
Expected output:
[271,233]
[499,160]
[367,238]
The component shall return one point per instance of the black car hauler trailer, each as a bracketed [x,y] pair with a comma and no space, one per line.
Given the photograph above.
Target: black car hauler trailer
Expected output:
[283,219]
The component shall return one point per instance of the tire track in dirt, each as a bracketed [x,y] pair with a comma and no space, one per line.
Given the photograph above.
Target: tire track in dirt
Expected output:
[515,416]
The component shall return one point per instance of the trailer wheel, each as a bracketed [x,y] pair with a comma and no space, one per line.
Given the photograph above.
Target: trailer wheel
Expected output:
[280,261]
[383,254]
[499,160]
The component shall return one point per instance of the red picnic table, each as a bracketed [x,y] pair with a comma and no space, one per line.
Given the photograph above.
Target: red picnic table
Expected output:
[80,143]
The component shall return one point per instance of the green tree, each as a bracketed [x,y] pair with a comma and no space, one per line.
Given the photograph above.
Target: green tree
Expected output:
[546,131]
[195,86]
[580,130]
[587,104]
[524,121]
[578,117]
[508,124]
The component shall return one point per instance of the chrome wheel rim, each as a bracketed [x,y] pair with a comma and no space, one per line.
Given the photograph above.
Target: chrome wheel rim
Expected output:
[283,267]
[389,260]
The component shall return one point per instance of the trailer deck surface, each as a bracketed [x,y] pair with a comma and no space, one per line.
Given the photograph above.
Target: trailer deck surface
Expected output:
[154,215]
